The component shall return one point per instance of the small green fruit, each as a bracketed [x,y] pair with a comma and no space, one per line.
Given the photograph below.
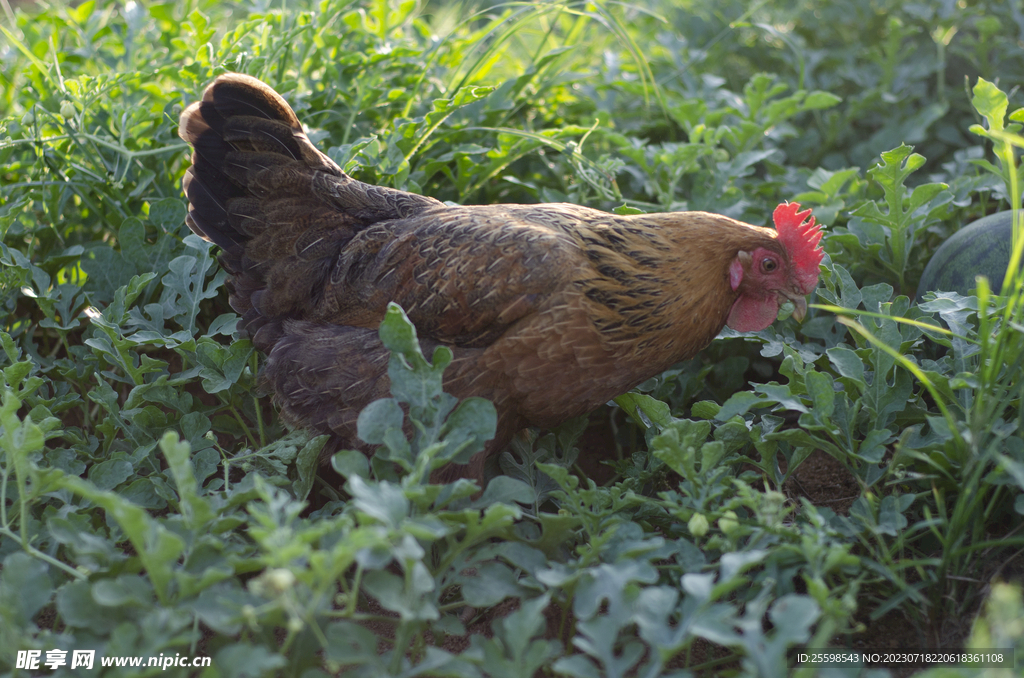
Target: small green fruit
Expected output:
[729,522]
[698,525]
[279,580]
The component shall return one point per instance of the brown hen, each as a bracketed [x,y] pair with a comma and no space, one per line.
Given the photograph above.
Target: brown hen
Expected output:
[551,310]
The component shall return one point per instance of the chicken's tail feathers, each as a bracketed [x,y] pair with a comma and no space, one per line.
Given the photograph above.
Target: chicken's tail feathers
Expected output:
[247,143]
[281,210]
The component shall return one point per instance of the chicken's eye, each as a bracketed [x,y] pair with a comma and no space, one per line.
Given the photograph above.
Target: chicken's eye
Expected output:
[768,265]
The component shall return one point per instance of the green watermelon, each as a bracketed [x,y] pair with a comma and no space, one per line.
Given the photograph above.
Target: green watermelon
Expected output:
[980,248]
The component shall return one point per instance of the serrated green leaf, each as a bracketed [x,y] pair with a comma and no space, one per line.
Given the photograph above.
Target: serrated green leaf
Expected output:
[468,428]
[822,392]
[186,277]
[679,444]
[991,102]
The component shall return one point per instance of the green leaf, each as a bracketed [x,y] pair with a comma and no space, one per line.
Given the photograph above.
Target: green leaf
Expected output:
[123,591]
[306,464]
[25,587]
[506,490]
[738,404]
[221,366]
[626,209]
[492,583]
[646,411]
[517,631]
[413,379]
[186,278]
[351,462]
[378,418]
[705,409]
[820,388]
[82,13]
[196,510]
[577,666]
[407,597]
[991,102]
[900,219]
[383,501]
[734,564]
[158,548]
[167,214]
[679,444]
[352,643]
[78,609]
[244,660]
[20,437]
[873,448]
[109,474]
[734,435]
[848,364]
[890,515]
[792,616]
[132,239]
[818,99]
[468,428]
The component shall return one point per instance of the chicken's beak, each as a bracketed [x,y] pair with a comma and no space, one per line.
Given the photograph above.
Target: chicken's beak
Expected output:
[799,303]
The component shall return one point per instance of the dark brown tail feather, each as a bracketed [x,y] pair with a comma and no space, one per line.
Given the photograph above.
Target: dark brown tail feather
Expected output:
[280,210]
[241,128]
[255,189]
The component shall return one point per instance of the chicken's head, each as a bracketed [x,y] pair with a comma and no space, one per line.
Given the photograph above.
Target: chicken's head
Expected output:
[768,277]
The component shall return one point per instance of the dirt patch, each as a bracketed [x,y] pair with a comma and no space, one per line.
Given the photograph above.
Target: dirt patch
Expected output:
[597,447]
[825,482]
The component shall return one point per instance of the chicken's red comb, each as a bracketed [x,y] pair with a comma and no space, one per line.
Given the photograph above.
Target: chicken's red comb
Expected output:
[800,237]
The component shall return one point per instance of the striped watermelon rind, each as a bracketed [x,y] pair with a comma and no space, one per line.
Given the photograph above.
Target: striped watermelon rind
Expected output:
[980,248]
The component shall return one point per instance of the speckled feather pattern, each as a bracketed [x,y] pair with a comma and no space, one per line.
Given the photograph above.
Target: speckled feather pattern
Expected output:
[551,310]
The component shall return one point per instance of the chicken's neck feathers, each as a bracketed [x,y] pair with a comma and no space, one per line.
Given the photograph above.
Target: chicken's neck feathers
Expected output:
[658,284]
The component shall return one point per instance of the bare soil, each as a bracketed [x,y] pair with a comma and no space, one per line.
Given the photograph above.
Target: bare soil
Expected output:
[825,482]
